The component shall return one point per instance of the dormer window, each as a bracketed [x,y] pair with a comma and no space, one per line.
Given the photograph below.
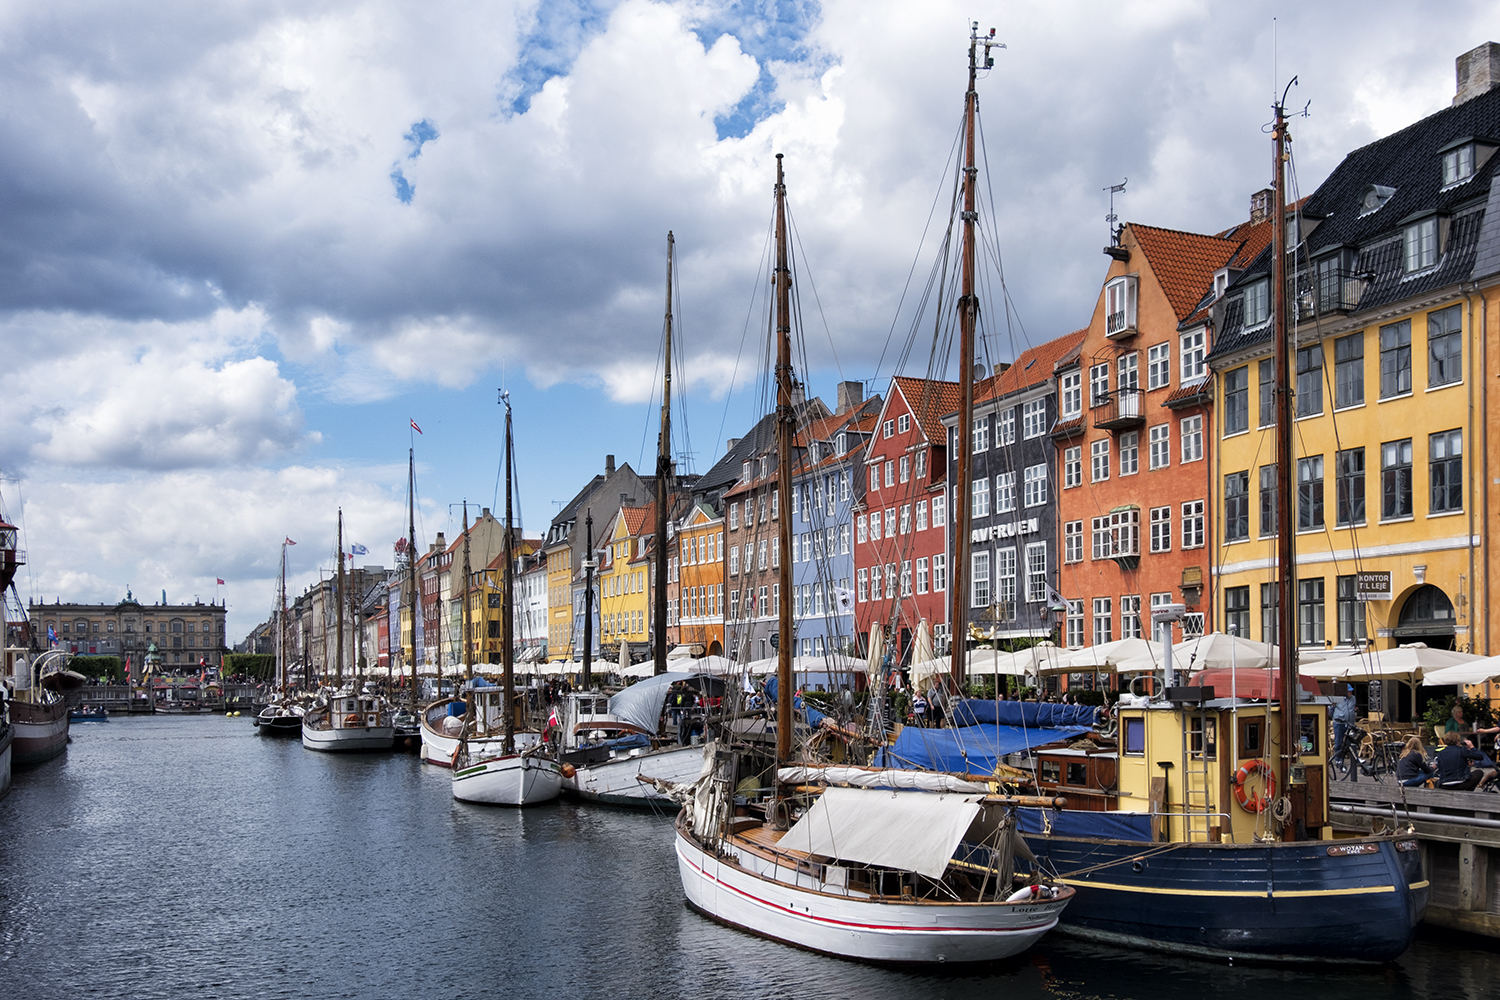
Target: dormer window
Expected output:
[841,443]
[812,452]
[1458,165]
[1257,300]
[1374,198]
[1419,249]
[745,471]
[1119,307]
[1337,288]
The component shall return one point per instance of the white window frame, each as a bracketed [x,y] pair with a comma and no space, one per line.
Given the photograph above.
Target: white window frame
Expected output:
[921,515]
[939,573]
[1159,366]
[1005,493]
[903,423]
[922,575]
[1036,572]
[979,503]
[1161,529]
[1099,460]
[1130,453]
[1119,304]
[1071,394]
[1005,427]
[1192,356]
[1035,485]
[1073,466]
[940,510]
[1160,455]
[1073,542]
[1033,419]
[1419,245]
[1190,435]
[1098,384]
[1192,524]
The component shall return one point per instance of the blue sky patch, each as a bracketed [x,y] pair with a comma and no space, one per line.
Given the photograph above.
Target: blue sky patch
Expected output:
[421,132]
[559,31]
[770,31]
[405,189]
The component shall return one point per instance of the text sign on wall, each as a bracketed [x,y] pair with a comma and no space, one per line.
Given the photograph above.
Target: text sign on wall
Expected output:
[1374,585]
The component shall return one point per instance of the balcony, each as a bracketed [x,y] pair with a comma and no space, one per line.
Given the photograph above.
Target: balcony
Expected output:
[1119,325]
[1120,410]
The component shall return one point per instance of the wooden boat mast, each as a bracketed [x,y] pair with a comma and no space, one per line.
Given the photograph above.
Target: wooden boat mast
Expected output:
[786,423]
[589,563]
[338,595]
[507,612]
[1289,772]
[280,624]
[411,565]
[663,491]
[464,610]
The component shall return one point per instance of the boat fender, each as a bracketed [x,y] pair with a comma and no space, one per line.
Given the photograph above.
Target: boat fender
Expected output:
[1258,803]
[352,720]
[1023,893]
[568,770]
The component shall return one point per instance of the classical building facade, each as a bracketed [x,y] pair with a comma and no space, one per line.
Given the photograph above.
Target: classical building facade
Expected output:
[184,634]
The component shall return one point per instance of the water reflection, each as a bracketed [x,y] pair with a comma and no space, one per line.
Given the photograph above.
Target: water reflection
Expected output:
[168,856]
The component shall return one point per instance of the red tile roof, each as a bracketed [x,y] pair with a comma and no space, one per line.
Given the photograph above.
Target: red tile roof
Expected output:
[1033,367]
[638,518]
[930,400]
[1184,263]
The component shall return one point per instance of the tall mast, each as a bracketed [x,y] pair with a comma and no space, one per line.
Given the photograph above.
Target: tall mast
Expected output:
[786,420]
[589,562]
[338,668]
[507,613]
[1288,771]
[464,610]
[411,562]
[281,623]
[663,474]
[968,321]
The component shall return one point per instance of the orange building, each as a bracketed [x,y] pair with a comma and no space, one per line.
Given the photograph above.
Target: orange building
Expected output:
[697,609]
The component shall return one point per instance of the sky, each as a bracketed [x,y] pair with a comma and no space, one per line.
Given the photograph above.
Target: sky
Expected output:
[243,246]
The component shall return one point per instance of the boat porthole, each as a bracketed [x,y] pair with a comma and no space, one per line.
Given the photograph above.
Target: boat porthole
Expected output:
[1138,867]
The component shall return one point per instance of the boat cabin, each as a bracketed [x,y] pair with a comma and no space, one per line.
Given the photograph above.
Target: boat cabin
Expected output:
[354,712]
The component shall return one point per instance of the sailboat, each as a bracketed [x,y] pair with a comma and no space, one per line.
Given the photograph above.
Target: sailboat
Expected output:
[882,874]
[507,774]
[282,715]
[346,718]
[37,712]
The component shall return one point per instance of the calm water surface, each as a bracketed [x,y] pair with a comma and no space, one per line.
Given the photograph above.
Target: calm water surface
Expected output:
[171,857]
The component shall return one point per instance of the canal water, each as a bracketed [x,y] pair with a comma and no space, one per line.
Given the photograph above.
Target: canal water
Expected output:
[176,857]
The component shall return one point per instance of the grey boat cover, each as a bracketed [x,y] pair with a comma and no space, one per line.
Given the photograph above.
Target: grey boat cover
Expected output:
[640,704]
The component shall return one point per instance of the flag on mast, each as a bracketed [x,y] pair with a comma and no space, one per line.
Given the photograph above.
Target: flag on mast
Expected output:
[289,542]
[415,427]
[220,582]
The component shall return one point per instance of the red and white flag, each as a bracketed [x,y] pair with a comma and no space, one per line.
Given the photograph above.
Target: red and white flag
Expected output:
[415,427]
[221,582]
[290,542]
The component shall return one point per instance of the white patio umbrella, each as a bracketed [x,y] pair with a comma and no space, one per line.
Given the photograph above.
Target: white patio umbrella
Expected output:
[876,658]
[1476,672]
[923,649]
[1111,655]
[625,657]
[1405,662]
[977,663]
[1216,649]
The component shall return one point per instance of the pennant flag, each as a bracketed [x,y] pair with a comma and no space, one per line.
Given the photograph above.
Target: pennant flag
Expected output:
[415,427]
[290,542]
[221,582]
[1055,601]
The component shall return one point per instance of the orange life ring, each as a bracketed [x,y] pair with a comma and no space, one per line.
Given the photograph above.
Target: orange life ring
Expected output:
[351,721]
[1261,802]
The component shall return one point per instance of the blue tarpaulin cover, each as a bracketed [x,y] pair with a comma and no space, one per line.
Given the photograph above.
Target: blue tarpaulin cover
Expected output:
[1103,825]
[813,715]
[972,711]
[975,749]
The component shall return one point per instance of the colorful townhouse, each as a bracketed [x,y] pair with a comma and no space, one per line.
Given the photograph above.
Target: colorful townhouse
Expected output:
[624,580]
[1133,436]
[1388,383]
[826,486]
[900,524]
[695,614]
[1013,546]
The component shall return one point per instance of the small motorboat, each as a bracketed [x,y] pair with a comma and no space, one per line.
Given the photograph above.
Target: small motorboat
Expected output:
[84,713]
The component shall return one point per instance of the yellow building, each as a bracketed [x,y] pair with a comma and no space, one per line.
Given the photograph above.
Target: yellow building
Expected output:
[1385,379]
[624,582]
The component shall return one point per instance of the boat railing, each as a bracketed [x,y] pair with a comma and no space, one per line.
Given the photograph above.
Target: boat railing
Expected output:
[1226,830]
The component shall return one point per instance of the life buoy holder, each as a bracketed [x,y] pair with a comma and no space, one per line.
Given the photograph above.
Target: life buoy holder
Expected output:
[1258,803]
[352,721]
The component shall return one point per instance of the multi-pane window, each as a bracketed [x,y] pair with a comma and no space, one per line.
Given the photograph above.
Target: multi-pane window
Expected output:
[1349,476]
[1236,400]
[1458,165]
[1034,418]
[1130,453]
[905,519]
[1075,625]
[1103,622]
[889,428]
[921,470]
[1270,612]
[1349,370]
[1073,542]
[1395,359]
[874,477]
[1130,616]
[1072,394]
[1072,466]
[1098,384]
[1035,485]
[1101,547]
[939,573]
[1236,506]
[1395,479]
[1445,467]
[980,507]
[1125,531]
[1099,460]
[980,587]
[922,575]
[1161,446]
[1267,501]
[1190,432]
[1192,524]
[1005,582]
[1161,529]
[1005,492]
[1267,369]
[1310,493]
[734,517]
[1310,612]
[939,511]
[981,434]
[1005,427]
[890,474]
[1119,305]
[1237,611]
[905,474]
[1444,347]
[921,515]
[905,578]
[1130,371]
[1351,613]
[863,582]
[1036,572]
[1310,380]
[1158,365]
[1419,249]
[903,423]
[1257,304]
[1194,366]
[734,560]
[861,530]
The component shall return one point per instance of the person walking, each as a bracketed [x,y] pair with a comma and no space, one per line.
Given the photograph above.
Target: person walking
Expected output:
[1345,718]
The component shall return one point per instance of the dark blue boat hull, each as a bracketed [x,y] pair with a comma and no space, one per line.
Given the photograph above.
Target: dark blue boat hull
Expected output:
[1271,902]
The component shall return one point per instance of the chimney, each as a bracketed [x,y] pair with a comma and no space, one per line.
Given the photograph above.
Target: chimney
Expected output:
[441,544]
[484,513]
[609,465]
[730,447]
[1478,71]
[1260,206]
[851,394]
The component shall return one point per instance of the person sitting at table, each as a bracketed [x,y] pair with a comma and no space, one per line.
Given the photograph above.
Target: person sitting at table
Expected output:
[1454,772]
[1412,769]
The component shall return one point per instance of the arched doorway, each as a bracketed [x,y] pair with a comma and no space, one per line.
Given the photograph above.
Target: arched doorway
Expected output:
[715,649]
[1427,616]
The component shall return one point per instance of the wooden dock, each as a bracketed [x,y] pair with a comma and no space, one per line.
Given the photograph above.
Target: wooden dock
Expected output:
[118,699]
[1460,837]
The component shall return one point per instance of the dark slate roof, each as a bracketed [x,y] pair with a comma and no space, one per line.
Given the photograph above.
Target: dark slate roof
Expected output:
[1410,162]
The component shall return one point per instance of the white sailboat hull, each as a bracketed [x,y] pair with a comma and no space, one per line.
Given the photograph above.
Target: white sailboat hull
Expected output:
[514,780]
[855,925]
[438,748]
[614,781]
[348,740]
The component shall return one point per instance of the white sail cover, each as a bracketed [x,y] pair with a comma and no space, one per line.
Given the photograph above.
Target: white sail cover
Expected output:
[866,777]
[911,831]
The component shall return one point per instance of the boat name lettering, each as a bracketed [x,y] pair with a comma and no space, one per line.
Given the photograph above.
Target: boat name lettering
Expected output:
[1406,845]
[1349,850]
